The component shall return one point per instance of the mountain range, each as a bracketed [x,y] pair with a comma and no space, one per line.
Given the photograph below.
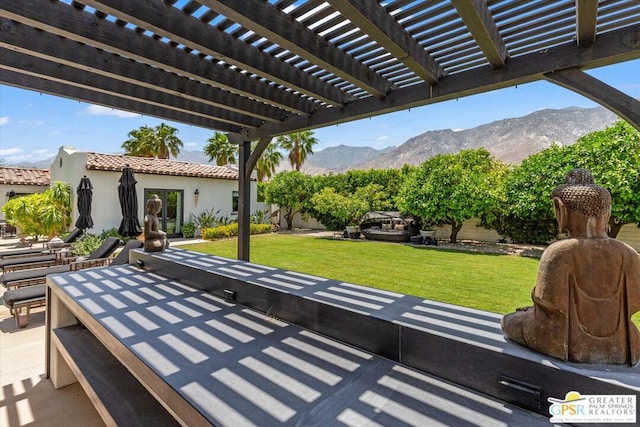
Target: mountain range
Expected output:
[510,140]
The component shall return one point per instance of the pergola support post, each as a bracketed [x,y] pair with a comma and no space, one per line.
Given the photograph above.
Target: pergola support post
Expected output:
[244,199]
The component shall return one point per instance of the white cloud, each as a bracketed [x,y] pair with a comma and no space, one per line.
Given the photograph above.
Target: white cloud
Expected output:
[382,138]
[97,110]
[190,144]
[10,151]
[4,120]
[17,155]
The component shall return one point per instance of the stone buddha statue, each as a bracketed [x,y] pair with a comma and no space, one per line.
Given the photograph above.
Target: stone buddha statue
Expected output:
[155,240]
[588,285]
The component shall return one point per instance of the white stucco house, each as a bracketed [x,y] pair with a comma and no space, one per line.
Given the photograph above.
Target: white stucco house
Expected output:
[185,188]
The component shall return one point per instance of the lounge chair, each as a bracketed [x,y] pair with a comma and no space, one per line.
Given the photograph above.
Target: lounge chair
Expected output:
[71,237]
[20,301]
[21,263]
[98,258]
[46,259]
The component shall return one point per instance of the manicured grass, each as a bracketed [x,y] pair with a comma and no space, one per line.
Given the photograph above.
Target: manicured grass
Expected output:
[496,283]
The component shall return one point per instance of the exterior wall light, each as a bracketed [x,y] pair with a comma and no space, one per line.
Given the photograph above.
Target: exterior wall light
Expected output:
[196,196]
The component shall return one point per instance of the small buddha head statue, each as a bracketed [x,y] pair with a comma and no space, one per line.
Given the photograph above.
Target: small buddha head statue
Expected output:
[154,205]
[581,206]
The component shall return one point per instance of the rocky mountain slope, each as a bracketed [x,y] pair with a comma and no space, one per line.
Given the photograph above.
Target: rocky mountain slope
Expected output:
[510,140]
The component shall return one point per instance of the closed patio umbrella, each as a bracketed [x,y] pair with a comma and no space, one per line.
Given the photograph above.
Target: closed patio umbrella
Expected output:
[130,225]
[85,198]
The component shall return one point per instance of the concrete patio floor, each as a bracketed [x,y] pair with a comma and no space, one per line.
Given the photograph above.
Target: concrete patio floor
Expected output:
[27,398]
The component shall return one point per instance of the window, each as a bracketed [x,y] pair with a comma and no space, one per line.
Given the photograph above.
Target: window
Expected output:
[234,201]
[172,214]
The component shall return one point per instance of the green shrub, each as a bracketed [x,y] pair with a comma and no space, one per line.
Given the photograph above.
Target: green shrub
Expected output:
[205,219]
[86,244]
[188,229]
[226,220]
[260,228]
[231,230]
[220,232]
[113,232]
[259,217]
[41,214]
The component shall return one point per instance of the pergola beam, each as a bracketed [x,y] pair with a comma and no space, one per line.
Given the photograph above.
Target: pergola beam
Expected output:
[596,90]
[612,47]
[478,18]
[80,26]
[167,21]
[49,70]
[25,81]
[373,20]
[267,21]
[23,38]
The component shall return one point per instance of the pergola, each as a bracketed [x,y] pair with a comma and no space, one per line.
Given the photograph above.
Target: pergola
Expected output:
[255,69]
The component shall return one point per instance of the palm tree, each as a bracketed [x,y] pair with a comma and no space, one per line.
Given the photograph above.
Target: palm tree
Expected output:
[160,142]
[219,148]
[166,142]
[140,142]
[268,161]
[299,145]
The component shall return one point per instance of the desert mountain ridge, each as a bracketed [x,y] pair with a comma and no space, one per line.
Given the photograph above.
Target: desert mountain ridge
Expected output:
[510,140]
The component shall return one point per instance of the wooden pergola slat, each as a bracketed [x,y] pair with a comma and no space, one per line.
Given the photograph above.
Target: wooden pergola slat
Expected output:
[169,22]
[286,32]
[371,18]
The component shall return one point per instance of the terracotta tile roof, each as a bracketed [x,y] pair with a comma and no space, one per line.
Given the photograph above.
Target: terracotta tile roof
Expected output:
[115,162]
[24,176]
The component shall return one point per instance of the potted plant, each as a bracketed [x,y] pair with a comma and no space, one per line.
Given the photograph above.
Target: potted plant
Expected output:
[353,231]
[188,229]
[354,209]
[427,232]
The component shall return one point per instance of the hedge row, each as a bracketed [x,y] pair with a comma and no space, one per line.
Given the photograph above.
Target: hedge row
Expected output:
[231,230]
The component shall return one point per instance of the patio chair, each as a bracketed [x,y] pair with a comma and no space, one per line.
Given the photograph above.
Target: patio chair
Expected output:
[71,237]
[46,259]
[20,301]
[98,258]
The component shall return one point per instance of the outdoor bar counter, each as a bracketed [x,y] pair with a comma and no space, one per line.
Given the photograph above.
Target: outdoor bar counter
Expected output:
[179,337]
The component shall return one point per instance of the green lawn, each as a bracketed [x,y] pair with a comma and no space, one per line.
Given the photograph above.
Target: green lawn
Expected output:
[496,283]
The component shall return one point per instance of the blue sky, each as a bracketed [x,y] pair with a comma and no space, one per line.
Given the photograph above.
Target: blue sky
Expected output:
[33,126]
